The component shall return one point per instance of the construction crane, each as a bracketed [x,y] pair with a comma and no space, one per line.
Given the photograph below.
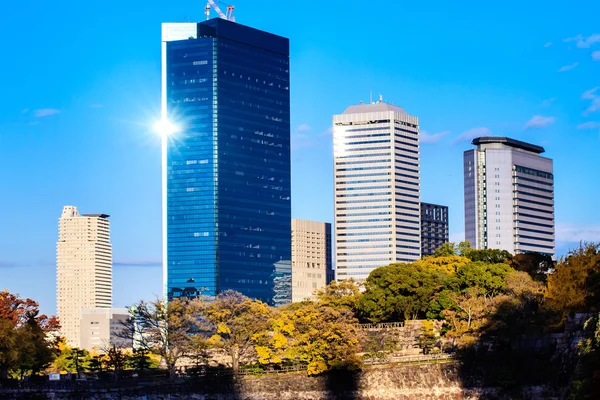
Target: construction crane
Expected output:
[213,4]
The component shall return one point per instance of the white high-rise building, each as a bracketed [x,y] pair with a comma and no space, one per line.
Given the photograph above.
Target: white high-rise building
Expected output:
[83,268]
[509,196]
[377,189]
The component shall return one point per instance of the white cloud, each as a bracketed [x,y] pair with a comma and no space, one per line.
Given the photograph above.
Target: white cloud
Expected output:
[548,44]
[595,100]
[584,42]
[539,121]
[571,233]
[596,55]
[301,141]
[548,102]
[303,128]
[425,137]
[328,132]
[568,67]
[137,263]
[472,134]
[589,125]
[590,94]
[44,112]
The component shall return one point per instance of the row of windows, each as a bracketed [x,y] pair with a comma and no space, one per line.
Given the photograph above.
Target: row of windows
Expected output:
[362,188]
[351,221]
[520,185]
[534,238]
[364,214]
[369,142]
[408,151]
[362,169]
[534,172]
[406,162]
[364,155]
[522,207]
[362,162]
[388,199]
[534,202]
[520,214]
[374,253]
[533,195]
[384,239]
[365,233]
[405,143]
[341,228]
[370,175]
[366,149]
[364,260]
[537,181]
[364,194]
[363,181]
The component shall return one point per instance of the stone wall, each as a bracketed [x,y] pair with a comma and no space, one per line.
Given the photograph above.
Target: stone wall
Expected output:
[414,382]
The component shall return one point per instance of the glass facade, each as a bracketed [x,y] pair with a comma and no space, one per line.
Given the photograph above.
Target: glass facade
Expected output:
[228,211]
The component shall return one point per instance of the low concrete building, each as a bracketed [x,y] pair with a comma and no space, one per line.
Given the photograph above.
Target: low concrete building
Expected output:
[100,326]
[311,257]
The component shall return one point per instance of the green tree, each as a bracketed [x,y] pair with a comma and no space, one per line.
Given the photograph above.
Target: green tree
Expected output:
[586,384]
[79,359]
[401,291]
[344,293]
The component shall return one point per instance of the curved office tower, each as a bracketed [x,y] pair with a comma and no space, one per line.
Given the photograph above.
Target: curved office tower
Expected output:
[226,172]
[509,196]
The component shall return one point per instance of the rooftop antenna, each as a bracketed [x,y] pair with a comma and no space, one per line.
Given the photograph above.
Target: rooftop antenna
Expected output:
[380,98]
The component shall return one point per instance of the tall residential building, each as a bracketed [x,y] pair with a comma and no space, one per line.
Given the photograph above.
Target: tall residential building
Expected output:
[226,173]
[83,268]
[311,258]
[100,328]
[509,196]
[434,228]
[377,207]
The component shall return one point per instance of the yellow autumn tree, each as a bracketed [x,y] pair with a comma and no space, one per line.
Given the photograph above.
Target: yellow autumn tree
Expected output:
[239,323]
[323,337]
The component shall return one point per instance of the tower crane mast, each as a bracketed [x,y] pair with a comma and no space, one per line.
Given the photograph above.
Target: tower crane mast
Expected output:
[213,4]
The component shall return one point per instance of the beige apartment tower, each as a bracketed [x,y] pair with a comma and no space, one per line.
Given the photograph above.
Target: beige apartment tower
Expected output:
[311,258]
[83,268]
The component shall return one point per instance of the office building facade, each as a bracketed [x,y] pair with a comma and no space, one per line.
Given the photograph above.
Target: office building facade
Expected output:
[311,258]
[377,188]
[434,228]
[101,327]
[226,173]
[83,268]
[509,196]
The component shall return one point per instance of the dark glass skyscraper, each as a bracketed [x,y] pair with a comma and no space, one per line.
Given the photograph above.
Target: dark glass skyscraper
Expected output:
[227,213]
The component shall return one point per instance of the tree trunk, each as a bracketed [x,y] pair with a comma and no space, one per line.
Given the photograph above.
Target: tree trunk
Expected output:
[235,360]
[172,371]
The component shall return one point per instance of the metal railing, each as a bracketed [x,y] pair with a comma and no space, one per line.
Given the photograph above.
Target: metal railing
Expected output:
[383,325]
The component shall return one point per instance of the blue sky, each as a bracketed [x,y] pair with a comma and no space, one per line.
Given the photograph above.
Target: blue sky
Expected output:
[81,86]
